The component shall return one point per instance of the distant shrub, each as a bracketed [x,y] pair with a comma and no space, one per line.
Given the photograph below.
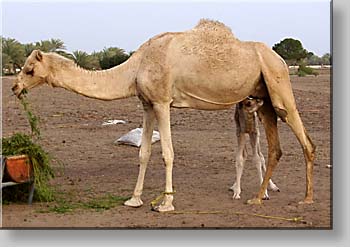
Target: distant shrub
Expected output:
[303,70]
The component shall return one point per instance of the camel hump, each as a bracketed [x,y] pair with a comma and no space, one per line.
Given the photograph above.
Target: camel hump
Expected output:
[211,26]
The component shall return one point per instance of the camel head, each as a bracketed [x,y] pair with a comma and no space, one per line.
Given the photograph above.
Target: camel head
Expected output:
[34,73]
[251,105]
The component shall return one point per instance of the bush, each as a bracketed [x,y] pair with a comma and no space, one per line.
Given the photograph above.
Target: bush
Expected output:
[303,70]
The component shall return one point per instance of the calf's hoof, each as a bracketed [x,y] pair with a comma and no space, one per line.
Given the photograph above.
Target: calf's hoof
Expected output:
[236,196]
[273,187]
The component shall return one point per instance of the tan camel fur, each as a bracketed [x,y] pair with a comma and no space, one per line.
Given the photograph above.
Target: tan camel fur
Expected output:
[246,120]
[203,68]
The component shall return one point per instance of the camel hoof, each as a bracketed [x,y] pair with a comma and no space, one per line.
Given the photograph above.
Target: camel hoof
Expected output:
[163,208]
[274,188]
[266,198]
[236,191]
[236,197]
[306,201]
[134,202]
[254,201]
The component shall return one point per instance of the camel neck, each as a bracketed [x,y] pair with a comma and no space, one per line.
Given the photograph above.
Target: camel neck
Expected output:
[111,84]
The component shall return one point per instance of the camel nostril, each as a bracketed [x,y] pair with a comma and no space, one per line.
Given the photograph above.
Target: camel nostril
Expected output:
[14,87]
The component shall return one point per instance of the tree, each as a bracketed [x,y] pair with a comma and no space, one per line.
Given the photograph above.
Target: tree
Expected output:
[28,48]
[85,60]
[326,59]
[314,60]
[81,58]
[13,54]
[291,50]
[52,45]
[57,44]
[111,57]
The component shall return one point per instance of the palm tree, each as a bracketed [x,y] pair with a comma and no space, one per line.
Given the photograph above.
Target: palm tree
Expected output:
[82,59]
[13,54]
[112,56]
[28,48]
[57,44]
[52,45]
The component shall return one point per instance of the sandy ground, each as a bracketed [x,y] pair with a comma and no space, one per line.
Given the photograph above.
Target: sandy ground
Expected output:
[204,144]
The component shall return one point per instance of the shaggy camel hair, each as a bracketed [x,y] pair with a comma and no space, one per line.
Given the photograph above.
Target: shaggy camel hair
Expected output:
[202,68]
[246,120]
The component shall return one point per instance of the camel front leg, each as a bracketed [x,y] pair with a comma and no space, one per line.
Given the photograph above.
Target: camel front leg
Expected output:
[240,159]
[269,120]
[162,112]
[145,153]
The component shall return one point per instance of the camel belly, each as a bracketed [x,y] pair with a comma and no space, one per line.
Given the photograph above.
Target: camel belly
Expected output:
[211,95]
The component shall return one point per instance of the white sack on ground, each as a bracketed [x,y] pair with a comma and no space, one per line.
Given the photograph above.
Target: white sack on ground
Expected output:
[133,138]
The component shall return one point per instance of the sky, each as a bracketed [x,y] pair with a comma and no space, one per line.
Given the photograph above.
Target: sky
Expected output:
[92,26]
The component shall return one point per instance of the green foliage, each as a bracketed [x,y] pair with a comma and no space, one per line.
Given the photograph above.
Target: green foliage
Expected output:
[29,48]
[314,60]
[326,59]
[62,206]
[41,161]
[303,70]
[104,203]
[51,45]
[111,57]
[85,60]
[81,58]
[290,50]
[32,119]
[13,54]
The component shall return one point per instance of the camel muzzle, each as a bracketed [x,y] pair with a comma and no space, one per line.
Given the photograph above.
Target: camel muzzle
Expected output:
[17,91]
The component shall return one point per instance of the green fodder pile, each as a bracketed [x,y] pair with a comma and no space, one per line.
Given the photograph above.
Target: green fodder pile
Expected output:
[23,144]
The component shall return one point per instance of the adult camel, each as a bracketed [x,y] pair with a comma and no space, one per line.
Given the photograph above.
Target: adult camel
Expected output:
[207,68]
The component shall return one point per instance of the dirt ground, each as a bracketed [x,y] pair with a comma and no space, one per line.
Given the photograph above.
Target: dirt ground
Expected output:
[204,145]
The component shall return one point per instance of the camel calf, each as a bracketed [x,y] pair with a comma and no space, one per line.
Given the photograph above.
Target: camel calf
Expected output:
[247,124]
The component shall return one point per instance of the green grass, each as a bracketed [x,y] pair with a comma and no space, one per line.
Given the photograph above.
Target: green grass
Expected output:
[105,203]
[100,204]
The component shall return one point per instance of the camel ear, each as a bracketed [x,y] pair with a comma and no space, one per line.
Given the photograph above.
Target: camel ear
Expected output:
[260,102]
[38,55]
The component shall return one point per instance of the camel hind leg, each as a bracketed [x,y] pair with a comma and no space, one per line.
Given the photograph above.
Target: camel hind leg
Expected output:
[295,123]
[276,77]
[291,116]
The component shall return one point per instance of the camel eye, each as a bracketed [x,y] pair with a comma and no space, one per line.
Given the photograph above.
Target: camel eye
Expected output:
[30,72]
